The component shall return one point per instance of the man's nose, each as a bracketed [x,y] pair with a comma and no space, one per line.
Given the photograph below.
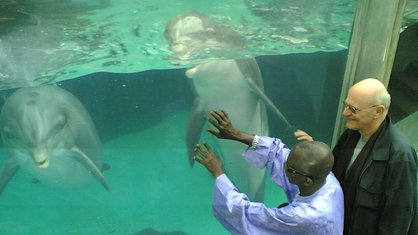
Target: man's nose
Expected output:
[346,111]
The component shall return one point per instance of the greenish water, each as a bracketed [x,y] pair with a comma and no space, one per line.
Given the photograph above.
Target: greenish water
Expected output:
[152,187]
[141,119]
[44,41]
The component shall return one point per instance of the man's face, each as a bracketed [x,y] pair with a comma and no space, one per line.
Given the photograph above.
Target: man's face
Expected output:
[358,111]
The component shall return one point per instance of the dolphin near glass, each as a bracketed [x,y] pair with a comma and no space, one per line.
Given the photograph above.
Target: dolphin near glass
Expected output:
[234,85]
[193,36]
[48,132]
[222,84]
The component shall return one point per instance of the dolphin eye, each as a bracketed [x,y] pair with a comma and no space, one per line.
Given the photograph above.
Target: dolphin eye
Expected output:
[59,125]
[7,133]
[10,135]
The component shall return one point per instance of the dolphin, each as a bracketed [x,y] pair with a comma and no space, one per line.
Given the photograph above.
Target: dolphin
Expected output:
[234,85]
[222,84]
[48,132]
[195,36]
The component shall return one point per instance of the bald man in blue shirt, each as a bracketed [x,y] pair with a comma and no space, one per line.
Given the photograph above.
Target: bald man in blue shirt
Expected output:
[315,196]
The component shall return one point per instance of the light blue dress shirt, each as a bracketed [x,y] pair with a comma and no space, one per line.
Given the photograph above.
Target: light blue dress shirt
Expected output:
[319,213]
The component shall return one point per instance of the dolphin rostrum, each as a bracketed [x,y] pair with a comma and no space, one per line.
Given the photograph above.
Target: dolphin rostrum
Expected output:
[47,131]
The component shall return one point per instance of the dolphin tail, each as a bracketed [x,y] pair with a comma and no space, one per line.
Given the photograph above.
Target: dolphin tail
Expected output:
[89,164]
[7,172]
[270,105]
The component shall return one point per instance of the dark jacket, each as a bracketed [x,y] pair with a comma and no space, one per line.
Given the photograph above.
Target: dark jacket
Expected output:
[385,198]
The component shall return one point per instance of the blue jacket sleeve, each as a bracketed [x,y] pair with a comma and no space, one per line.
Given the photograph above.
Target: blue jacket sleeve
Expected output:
[272,153]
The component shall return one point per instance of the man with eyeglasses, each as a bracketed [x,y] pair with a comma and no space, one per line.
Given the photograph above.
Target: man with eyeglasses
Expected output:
[376,166]
[316,204]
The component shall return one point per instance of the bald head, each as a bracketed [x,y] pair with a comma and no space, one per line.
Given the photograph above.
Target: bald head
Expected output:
[312,157]
[372,91]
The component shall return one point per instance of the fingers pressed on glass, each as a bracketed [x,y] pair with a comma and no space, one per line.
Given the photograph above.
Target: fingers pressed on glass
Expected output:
[224,115]
[207,146]
[220,116]
[198,149]
[215,114]
[196,158]
[213,122]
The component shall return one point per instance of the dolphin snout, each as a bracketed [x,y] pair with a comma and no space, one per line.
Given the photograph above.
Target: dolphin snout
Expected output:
[43,164]
[190,73]
[178,47]
[40,157]
[181,50]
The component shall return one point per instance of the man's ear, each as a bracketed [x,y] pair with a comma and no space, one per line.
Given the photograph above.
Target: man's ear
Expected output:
[307,182]
[380,110]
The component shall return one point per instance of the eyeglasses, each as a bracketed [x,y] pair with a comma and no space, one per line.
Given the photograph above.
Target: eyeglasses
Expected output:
[355,109]
[293,171]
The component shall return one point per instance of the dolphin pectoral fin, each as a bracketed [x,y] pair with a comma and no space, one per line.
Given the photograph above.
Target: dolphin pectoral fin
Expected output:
[7,172]
[89,164]
[194,129]
[270,105]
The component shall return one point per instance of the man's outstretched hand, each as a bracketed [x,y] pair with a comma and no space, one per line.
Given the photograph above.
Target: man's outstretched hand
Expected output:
[208,159]
[222,122]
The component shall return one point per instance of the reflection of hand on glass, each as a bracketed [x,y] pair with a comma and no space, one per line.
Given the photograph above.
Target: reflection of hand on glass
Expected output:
[301,135]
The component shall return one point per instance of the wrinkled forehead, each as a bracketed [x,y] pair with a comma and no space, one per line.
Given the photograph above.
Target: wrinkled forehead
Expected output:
[359,97]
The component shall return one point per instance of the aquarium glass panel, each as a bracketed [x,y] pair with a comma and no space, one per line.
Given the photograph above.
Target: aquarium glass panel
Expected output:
[103,101]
